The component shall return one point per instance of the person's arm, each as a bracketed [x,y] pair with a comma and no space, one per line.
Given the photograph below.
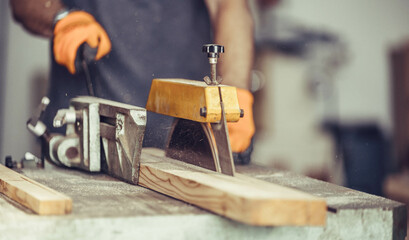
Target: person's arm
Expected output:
[36,16]
[233,28]
[74,29]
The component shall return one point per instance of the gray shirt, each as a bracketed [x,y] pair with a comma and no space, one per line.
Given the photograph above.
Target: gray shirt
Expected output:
[150,39]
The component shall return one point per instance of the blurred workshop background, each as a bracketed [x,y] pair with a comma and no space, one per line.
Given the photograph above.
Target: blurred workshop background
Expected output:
[331,86]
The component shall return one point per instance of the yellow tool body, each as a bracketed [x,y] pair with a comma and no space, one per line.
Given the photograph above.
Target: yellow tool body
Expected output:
[193,100]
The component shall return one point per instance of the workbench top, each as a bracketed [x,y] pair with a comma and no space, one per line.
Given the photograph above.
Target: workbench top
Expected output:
[106,208]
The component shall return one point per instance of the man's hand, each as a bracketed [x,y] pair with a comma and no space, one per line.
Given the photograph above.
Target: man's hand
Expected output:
[72,31]
[241,132]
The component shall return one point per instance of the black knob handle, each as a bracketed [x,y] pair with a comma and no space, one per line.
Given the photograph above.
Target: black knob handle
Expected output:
[213,50]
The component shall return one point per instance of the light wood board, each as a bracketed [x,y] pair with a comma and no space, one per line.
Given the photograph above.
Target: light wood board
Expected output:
[241,198]
[33,195]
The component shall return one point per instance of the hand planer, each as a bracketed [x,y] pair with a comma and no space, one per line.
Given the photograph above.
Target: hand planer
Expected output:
[199,134]
[103,135]
[107,136]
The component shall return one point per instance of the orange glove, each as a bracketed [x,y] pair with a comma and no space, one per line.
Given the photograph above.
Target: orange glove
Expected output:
[241,132]
[72,31]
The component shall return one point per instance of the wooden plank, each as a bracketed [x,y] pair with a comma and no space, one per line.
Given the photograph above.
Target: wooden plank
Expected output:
[241,198]
[184,98]
[33,195]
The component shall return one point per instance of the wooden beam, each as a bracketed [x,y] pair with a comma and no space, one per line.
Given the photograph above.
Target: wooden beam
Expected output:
[184,98]
[241,198]
[33,195]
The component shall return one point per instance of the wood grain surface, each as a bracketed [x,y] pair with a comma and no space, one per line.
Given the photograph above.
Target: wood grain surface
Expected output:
[241,198]
[184,98]
[33,195]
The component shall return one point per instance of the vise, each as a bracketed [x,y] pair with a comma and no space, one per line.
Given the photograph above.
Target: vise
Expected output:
[101,135]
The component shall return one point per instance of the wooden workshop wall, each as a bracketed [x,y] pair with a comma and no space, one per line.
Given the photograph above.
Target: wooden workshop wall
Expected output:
[400,90]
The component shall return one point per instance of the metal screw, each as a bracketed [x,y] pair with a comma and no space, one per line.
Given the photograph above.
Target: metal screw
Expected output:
[203,112]
[213,52]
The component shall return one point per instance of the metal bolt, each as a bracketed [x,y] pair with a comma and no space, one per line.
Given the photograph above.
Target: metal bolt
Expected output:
[213,52]
[203,112]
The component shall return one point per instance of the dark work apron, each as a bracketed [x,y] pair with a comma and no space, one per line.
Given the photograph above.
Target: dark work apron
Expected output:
[150,39]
